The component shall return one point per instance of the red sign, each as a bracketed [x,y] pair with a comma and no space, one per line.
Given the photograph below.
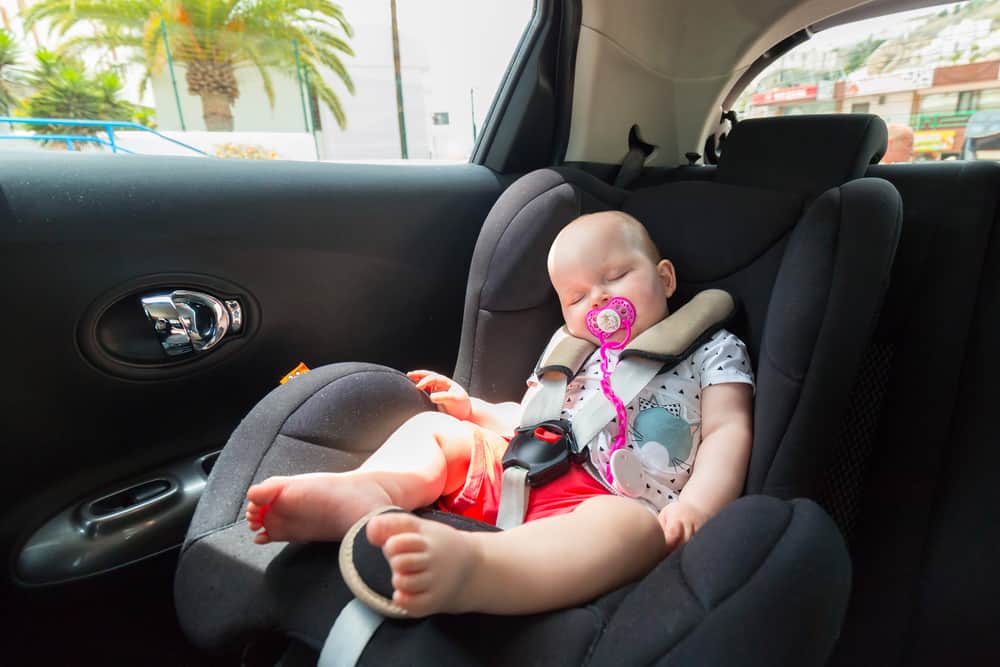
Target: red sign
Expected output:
[780,95]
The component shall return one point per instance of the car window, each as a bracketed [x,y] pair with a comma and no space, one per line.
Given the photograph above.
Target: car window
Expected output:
[356,80]
[932,74]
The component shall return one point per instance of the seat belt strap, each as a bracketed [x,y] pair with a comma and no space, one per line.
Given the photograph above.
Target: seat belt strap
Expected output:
[635,159]
[596,411]
[513,498]
[546,402]
[350,634]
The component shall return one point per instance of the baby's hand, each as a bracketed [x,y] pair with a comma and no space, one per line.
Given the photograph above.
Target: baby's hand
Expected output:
[680,521]
[449,396]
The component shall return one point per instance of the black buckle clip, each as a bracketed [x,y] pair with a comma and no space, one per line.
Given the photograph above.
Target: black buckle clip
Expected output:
[544,449]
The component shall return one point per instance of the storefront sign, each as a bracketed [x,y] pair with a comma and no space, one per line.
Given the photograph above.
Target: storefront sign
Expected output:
[780,95]
[934,141]
[890,83]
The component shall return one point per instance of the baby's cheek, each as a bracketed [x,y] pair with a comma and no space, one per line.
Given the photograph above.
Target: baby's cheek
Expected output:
[577,325]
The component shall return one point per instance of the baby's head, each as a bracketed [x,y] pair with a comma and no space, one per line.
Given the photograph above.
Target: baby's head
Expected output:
[607,254]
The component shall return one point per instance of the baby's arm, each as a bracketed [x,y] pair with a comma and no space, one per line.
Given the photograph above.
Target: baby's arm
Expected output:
[451,398]
[720,467]
[500,418]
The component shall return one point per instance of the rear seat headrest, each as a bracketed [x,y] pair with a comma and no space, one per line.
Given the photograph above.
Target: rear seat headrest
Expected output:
[804,154]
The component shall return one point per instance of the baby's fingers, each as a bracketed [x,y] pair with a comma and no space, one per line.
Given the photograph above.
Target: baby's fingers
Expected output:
[418,375]
[677,530]
[672,535]
[439,397]
[432,383]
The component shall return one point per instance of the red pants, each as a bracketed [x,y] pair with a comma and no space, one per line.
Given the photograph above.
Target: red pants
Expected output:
[479,497]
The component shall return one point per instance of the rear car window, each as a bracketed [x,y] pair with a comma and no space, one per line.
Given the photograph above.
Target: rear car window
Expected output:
[932,74]
[353,81]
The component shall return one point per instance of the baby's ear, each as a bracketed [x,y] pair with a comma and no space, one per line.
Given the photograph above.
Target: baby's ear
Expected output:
[668,276]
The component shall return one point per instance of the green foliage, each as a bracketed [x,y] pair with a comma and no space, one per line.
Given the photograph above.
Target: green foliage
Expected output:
[214,37]
[8,58]
[144,116]
[64,89]
[858,54]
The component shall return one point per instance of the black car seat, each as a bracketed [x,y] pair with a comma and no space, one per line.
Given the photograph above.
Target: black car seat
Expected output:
[920,504]
[788,227]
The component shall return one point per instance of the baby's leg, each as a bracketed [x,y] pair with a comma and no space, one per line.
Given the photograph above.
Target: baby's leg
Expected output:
[423,459]
[543,565]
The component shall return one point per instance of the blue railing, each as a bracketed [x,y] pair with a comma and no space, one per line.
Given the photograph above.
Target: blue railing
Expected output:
[71,140]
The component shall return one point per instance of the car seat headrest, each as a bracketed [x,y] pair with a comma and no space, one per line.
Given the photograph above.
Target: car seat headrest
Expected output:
[804,154]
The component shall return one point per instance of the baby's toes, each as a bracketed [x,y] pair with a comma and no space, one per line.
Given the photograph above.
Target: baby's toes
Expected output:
[409,563]
[417,604]
[404,543]
[412,584]
[380,528]
[266,492]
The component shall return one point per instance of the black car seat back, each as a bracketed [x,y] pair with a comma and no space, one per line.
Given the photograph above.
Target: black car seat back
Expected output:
[733,233]
[805,254]
[920,447]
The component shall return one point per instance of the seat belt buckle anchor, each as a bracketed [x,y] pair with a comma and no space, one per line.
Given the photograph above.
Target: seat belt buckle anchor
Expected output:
[545,450]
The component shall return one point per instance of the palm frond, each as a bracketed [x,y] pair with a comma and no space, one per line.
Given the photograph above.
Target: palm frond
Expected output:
[64,14]
[265,76]
[325,93]
[101,41]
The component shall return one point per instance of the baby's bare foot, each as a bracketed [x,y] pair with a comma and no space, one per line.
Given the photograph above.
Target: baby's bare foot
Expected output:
[312,507]
[432,564]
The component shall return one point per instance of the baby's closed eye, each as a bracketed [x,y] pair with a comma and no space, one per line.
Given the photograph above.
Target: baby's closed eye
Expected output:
[617,275]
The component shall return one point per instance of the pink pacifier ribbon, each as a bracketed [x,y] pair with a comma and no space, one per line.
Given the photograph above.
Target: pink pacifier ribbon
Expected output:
[604,322]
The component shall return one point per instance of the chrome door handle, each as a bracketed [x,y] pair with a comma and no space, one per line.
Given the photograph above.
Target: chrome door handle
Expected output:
[187,321]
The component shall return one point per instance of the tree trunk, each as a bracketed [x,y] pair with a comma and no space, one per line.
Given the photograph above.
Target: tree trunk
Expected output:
[217,111]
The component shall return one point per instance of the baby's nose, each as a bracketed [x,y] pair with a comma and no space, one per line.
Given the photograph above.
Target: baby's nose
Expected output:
[599,299]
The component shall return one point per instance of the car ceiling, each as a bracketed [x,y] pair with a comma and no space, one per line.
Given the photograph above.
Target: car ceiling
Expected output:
[667,65]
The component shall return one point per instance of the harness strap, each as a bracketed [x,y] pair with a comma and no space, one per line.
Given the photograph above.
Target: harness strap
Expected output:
[596,411]
[350,634]
[513,498]
[564,353]
[546,402]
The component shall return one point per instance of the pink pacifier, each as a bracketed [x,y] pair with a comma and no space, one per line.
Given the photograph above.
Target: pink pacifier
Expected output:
[604,322]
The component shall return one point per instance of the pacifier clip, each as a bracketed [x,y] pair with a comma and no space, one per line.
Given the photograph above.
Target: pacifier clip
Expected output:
[603,322]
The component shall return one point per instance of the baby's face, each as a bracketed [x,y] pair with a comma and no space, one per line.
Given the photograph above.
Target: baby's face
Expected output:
[588,269]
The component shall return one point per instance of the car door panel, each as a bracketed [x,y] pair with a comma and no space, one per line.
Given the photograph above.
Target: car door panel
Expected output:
[331,263]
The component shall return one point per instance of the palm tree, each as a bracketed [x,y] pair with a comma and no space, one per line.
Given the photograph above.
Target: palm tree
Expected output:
[8,58]
[64,89]
[213,38]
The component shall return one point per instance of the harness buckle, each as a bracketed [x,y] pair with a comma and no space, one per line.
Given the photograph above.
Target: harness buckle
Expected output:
[545,450]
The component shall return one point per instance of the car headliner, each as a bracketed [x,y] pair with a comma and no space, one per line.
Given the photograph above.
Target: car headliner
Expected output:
[667,65]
